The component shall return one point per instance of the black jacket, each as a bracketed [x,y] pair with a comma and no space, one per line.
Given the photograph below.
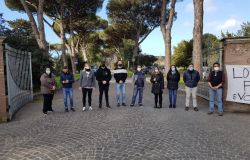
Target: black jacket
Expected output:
[191,78]
[69,77]
[103,74]
[173,80]
[120,74]
[157,81]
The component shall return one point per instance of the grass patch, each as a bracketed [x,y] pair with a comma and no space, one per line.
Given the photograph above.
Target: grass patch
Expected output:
[58,83]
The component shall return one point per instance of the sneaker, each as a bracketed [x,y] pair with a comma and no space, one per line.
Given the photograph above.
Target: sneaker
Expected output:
[51,110]
[45,113]
[170,106]
[90,108]
[100,106]
[209,113]
[131,105]
[66,110]
[141,105]
[174,106]
[220,114]
[118,105]
[196,109]
[83,109]
[124,104]
[186,108]
[72,109]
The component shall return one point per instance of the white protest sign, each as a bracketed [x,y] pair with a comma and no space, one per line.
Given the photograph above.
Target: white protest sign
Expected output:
[238,77]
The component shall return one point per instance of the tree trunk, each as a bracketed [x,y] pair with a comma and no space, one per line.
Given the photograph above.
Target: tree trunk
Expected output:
[166,30]
[73,54]
[136,47]
[62,36]
[197,34]
[37,28]
[84,52]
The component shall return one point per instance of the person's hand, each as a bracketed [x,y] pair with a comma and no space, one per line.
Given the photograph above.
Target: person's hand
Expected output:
[67,81]
[120,81]
[104,82]
[53,88]
[154,79]
[93,88]
[80,88]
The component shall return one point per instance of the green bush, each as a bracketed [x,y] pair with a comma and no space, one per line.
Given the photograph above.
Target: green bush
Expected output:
[130,73]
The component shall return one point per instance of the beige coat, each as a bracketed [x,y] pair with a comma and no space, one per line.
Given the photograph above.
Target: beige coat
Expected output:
[47,84]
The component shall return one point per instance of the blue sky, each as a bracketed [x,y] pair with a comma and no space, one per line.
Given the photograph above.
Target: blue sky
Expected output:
[219,15]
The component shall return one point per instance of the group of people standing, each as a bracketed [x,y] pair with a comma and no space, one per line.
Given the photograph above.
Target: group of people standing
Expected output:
[88,78]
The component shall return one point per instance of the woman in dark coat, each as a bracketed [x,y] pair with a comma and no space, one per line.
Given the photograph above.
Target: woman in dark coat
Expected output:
[157,81]
[173,79]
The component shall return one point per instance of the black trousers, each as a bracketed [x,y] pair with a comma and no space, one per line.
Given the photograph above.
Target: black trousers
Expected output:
[47,102]
[105,89]
[158,97]
[85,92]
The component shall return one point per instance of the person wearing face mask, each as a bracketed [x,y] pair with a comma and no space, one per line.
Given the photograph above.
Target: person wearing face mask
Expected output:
[120,75]
[216,80]
[67,79]
[87,84]
[138,79]
[173,78]
[191,78]
[103,76]
[157,81]
[47,89]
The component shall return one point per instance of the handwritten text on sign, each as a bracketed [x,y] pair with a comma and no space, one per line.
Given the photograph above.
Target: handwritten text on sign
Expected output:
[238,77]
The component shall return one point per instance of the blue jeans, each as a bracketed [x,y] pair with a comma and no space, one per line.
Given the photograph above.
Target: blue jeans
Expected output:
[135,92]
[218,94]
[172,96]
[120,91]
[68,92]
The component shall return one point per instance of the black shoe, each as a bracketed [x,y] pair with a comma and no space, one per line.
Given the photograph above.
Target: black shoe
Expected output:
[196,109]
[108,106]
[124,104]
[131,105]
[51,110]
[100,106]
[209,113]
[174,106]
[45,113]
[118,105]
[220,114]
[170,106]
[66,110]
[72,109]
[186,108]
[160,106]
[140,104]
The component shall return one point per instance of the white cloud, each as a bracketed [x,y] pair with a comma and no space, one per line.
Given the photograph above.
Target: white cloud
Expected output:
[209,6]
[228,24]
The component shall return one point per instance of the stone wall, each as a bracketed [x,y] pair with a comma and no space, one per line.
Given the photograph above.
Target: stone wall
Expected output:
[236,52]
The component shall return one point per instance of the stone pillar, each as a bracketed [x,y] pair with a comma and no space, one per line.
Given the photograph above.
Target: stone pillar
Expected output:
[3,97]
[236,52]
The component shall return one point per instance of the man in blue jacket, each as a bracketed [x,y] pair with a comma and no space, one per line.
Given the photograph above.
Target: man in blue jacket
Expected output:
[67,79]
[191,78]
[138,79]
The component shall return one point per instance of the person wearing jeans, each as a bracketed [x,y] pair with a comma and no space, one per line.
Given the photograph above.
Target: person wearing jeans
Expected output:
[87,84]
[191,78]
[120,75]
[138,79]
[173,78]
[67,79]
[216,80]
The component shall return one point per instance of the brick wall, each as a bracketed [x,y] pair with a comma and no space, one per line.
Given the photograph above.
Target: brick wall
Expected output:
[236,52]
[3,97]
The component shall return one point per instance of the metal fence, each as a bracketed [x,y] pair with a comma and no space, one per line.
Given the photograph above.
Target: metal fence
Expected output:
[19,79]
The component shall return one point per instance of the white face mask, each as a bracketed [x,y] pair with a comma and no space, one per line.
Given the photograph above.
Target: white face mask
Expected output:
[156,71]
[191,68]
[138,69]
[216,68]
[173,68]
[48,71]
